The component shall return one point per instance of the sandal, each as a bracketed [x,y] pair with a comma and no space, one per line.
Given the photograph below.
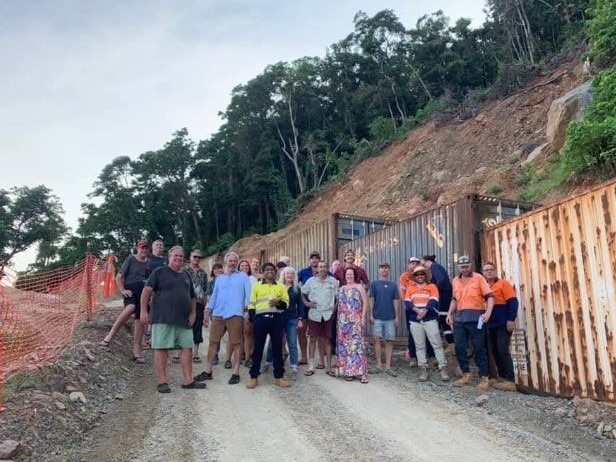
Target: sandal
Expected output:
[104,343]
[196,385]
[332,374]
[320,366]
[228,364]
[364,380]
[138,360]
[163,388]
[309,372]
[349,378]
[175,360]
[196,359]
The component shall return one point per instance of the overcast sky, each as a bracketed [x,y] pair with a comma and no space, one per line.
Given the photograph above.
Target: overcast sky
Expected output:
[83,82]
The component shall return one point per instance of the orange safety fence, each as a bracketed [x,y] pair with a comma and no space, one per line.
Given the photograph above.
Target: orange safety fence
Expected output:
[38,313]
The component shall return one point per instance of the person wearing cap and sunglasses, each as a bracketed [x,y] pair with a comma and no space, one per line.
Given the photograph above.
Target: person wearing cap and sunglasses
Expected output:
[471,307]
[421,300]
[198,277]
[130,282]
[404,281]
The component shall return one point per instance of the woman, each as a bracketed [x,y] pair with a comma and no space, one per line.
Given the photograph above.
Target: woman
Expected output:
[335,265]
[350,346]
[249,339]
[421,300]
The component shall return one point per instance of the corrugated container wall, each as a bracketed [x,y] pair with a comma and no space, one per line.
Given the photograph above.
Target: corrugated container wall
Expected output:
[446,232]
[562,261]
[324,236]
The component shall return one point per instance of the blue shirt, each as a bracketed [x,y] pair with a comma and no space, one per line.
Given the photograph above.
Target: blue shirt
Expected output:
[306,274]
[384,294]
[231,295]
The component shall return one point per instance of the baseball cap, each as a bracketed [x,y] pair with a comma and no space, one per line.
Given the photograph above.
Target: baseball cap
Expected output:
[143,244]
[414,259]
[314,253]
[464,260]
[384,265]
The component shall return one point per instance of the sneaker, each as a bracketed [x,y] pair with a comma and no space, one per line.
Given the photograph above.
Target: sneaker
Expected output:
[282,382]
[234,380]
[444,374]
[216,361]
[505,385]
[248,362]
[391,372]
[265,368]
[374,370]
[465,380]
[413,362]
[423,374]
[203,376]
[228,364]
[294,374]
[484,383]
[252,383]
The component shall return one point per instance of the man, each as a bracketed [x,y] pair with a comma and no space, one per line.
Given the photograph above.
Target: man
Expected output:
[268,301]
[199,280]
[286,260]
[302,277]
[441,279]
[320,295]
[404,281]
[156,260]
[226,308]
[501,325]
[130,282]
[384,309]
[471,307]
[172,315]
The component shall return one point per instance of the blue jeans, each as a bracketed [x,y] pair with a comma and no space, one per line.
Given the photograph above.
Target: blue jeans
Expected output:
[463,332]
[290,329]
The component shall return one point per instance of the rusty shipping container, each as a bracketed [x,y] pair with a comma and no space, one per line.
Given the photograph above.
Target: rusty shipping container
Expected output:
[562,261]
[324,236]
[446,232]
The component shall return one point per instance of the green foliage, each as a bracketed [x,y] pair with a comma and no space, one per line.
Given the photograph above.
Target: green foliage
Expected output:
[222,244]
[591,143]
[495,189]
[539,184]
[602,33]
[24,381]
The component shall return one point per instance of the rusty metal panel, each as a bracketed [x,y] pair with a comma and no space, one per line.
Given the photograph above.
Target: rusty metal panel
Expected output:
[561,260]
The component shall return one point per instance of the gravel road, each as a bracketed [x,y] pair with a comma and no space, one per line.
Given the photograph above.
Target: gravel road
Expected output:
[321,418]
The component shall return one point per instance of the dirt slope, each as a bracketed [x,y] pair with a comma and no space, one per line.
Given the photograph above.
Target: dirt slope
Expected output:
[438,163]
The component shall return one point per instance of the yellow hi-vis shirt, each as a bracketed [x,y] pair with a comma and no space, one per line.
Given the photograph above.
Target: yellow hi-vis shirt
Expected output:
[261,294]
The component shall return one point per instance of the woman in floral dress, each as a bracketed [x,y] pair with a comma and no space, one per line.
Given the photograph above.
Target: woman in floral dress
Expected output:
[350,347]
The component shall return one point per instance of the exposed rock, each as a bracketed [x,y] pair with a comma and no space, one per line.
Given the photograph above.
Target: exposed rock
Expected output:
[600,428]
[535,153]
[8,449]
[60,405]
[77,396]
[481,400]
[561,412]
[565,109]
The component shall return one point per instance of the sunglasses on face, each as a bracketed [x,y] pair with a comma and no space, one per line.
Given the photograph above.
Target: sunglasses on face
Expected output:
[420,274]
[198,257]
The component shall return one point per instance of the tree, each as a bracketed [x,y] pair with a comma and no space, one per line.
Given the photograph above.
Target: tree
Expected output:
[29,216]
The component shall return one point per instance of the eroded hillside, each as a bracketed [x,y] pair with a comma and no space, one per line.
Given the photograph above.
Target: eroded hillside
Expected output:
[438,163]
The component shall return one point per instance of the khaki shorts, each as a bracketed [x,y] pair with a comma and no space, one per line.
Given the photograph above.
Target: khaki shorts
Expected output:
[234,325]
[171,337]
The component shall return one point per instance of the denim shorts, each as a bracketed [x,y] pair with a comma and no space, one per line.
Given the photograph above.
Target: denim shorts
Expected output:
[384,329]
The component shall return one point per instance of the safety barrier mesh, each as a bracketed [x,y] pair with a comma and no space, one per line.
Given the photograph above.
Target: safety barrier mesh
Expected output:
[38,313]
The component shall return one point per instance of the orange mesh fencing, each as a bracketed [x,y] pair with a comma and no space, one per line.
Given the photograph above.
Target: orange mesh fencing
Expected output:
[38,314]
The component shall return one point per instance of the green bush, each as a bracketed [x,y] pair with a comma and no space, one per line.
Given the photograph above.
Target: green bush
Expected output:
[603,33]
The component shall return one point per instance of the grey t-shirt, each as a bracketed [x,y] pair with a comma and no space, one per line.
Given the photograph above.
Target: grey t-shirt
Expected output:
[384,294]
[172,296]
[155,262]
[135,272]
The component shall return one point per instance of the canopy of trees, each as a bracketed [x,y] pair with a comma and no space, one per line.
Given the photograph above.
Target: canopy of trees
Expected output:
[298,125]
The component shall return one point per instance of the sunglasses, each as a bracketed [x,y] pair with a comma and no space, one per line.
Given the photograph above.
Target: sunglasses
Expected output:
[420,274]
[198,257]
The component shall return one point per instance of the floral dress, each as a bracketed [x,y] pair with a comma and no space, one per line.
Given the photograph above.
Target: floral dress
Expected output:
[350,346]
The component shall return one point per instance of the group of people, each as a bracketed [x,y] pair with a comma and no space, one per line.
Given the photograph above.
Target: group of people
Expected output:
[326,309]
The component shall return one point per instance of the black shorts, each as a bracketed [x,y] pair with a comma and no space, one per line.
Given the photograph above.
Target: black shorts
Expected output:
[135,299]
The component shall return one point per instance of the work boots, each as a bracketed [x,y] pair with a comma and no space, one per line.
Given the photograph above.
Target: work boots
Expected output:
[444,374]
[252,383]
[505,385]
[423,374]
[464,381]
[484,383]
[282,382]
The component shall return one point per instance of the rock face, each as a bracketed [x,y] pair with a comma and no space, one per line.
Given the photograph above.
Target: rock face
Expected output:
[8,449]
[565,109]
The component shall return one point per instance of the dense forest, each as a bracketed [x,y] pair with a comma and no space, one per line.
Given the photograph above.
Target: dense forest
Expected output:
[298,126]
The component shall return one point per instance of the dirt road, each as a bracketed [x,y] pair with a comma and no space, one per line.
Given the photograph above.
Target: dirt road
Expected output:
[324,419]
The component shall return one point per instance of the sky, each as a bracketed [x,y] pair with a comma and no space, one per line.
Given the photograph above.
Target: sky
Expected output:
[85,81]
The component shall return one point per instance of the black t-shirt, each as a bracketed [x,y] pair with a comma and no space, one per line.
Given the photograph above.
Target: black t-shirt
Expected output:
[155,262]
[172,296]
[135,272]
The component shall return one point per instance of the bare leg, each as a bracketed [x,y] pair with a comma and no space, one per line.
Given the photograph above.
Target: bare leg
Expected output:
[312,346]
[137,338]
[237,353]
[211,352]
[303,342]
[378,352]
[249,340]
[160,364]
[186,366]
[389,349]
[126,313]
